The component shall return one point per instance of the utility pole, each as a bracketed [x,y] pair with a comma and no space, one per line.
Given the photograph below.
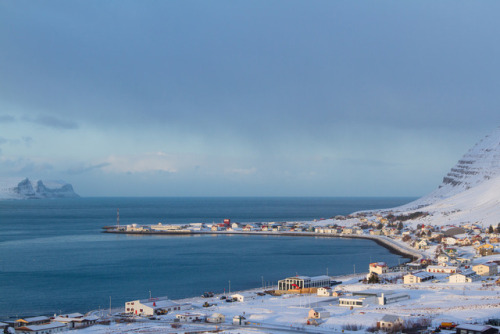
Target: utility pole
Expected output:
[354,269]
[229,287]
[110,305]
[262,282]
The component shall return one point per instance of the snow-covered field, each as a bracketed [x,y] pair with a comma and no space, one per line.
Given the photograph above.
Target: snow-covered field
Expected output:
[460,303]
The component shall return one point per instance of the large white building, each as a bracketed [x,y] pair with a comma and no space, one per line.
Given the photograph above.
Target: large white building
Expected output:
[304,282]
[466,276]
[357,301]
[442,269]
[417,277]
[378,268]
[153,306]
[486,269]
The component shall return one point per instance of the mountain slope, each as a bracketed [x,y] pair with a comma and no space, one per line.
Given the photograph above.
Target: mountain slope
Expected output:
[470,192]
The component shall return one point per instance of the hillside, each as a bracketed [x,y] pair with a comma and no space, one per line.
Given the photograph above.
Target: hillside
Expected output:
[469,192]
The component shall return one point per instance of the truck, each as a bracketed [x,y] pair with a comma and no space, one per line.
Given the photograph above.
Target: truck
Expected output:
[447,325]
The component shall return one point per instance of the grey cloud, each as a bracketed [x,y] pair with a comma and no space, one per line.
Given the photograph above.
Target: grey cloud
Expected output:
[85,168]
[27,140]
[24,166]
[52,122]
[7,119]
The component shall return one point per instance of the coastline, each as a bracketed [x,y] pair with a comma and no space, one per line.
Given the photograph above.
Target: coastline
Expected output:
[391,245]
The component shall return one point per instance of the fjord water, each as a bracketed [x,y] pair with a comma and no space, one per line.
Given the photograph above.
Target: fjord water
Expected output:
[54,258]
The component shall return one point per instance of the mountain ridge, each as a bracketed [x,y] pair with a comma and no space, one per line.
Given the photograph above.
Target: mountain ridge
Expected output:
[24,188]
[470,191]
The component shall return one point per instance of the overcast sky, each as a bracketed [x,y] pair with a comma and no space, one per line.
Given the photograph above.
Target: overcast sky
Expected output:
[245,98]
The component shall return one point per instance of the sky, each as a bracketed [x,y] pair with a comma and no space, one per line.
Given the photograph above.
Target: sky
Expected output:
[245,98]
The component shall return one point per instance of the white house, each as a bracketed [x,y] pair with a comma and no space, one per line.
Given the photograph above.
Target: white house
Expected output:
[486,269]
[153,306]
[444,258]
[318,313]
[216,318]
[190,317]
[238,297]
[324,292]
[76,320]
[389,321]
[358,301]
[417,277]
[378,268]
[53,327]
[466,276]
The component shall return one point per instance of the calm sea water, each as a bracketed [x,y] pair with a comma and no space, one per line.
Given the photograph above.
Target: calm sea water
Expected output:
[54,258]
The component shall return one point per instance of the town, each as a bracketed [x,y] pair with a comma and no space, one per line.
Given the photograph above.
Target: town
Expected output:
[451,283]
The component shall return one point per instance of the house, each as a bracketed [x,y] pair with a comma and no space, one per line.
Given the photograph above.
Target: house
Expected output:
[239,320]
[76,320]
[32,321]
[318,313]
[422,244]
[248,227]
[324,292]
[442,269]
[485,250]
[153,306]
[475,329]
[389,322]
[190,317]
[238,297]
[347,230]
[464,261]
[357,301]
[449,241]
[53,327]
[486,269]
[418,277]
[378,267]
[216,318]
[494,240]
[134,228]
[466,276]
[465,241]
[444,258]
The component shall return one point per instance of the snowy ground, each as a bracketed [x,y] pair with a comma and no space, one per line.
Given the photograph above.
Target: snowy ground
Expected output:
[460,303]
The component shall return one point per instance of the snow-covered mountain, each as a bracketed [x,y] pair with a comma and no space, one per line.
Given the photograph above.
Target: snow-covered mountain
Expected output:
[18,188]
[470,192]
